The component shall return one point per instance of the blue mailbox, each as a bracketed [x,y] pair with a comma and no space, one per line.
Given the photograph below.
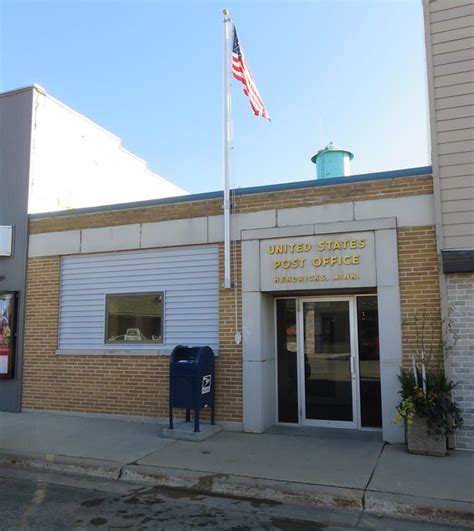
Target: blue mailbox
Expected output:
[192,381]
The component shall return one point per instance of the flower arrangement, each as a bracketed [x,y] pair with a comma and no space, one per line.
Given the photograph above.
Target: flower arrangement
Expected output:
[432,400]
[427,406]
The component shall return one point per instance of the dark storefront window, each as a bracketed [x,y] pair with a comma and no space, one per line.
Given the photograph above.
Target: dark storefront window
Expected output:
[369,362]
[134,318]
[7,334]
[287,361]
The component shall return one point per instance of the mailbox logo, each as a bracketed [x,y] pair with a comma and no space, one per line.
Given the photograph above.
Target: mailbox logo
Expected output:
[206,384]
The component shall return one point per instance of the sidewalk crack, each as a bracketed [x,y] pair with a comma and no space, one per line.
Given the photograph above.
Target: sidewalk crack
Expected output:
[370,479]
[120,472]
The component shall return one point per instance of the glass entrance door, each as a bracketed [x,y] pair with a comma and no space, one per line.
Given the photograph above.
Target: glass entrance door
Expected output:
[327,365]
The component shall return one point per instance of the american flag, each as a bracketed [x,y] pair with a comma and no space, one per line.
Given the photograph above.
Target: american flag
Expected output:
[241,71]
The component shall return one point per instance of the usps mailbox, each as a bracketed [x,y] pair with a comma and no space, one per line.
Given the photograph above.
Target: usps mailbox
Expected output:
[192,382]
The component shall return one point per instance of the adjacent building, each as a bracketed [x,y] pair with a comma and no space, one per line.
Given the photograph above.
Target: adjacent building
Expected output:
[52,158]
[449,31]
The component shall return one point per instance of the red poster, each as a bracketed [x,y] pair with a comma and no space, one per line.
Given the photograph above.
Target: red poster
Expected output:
[7,334]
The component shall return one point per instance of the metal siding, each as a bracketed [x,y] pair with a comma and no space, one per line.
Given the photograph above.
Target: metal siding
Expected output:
[456,136]
[461,242]
[461,181]
[453,46]
[462,146]
[451,57]
[450,46]
[455,90]
[448,24]
[452,102]
[451,35]
[453,79]
[455,112]
[464,205]
[457,170]
[455,194]
[15,141]
[457,217]
[460,229]
[454,12]
[187,276]
[450,7]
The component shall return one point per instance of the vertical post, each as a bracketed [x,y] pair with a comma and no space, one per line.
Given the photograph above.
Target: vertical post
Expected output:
[227,142]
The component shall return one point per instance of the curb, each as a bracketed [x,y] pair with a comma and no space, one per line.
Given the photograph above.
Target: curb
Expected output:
[246,487]
[62,463]
[359,500]
[420,508]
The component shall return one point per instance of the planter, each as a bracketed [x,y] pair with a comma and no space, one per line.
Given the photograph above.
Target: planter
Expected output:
[420,442]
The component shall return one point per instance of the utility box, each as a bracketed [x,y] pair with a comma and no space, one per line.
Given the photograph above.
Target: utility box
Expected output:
[192,382]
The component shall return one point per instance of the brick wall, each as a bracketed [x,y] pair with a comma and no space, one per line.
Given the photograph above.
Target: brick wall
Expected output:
[460,291]
[362,191]
[419,292]
[138,385]
[121,384]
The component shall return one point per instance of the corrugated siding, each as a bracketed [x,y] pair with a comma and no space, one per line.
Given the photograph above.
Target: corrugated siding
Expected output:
[16,109]
[451,33]
[187,276]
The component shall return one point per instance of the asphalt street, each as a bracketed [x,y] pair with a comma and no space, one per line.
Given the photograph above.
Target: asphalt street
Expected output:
[31,500]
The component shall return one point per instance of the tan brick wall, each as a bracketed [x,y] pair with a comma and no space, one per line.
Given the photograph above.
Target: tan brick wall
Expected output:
[122,384]
[419,290]
[138,385]
[384,188]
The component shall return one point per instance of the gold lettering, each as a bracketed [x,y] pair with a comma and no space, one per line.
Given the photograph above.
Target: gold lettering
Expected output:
[307,247]
[321,245]
[299,247]
[361,244]
[336,245]
[276,264]
[353,244]
[356,259]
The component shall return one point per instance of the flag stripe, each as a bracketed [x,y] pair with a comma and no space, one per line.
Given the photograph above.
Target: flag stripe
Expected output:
[241,72]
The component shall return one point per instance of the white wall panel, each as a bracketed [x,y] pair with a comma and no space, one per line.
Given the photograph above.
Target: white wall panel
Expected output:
[187,276]
[71,155]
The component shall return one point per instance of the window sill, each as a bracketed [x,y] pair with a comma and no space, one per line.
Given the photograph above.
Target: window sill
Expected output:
[114,352]
[118,352]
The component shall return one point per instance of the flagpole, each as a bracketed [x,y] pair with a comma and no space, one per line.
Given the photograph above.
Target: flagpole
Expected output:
[227,142]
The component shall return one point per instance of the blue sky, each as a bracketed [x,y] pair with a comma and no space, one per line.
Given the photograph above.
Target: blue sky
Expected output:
[151,72]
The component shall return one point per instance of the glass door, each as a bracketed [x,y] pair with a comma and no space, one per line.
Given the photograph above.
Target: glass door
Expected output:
[327,362]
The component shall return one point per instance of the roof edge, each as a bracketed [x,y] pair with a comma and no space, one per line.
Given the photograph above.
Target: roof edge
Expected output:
[393,174]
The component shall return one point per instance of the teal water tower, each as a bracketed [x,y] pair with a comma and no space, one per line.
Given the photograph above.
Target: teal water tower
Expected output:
[332,161]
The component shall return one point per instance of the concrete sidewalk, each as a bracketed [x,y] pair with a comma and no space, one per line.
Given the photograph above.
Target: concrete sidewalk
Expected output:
[332,468]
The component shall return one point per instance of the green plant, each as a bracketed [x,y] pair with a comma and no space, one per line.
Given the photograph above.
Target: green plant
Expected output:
[432,401]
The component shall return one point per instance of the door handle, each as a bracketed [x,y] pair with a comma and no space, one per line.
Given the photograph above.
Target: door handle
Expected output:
[352,365]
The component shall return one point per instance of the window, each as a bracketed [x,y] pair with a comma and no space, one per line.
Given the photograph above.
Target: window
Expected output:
[7,333]
[134,318]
